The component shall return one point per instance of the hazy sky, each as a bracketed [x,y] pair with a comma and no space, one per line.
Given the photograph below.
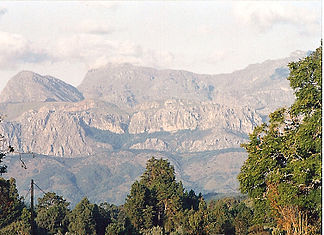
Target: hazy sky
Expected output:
[65,39]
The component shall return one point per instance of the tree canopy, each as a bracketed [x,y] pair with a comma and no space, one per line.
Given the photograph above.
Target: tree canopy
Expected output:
[52,213]
[157,199]
[11,204]
[283,171]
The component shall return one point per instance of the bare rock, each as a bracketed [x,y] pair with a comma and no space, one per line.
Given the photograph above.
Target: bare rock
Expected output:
[31,87]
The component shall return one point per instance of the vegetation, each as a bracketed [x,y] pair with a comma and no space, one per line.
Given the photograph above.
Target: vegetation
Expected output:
[157,204]
[52,214]
[14,215]
[281,178]
[283,171]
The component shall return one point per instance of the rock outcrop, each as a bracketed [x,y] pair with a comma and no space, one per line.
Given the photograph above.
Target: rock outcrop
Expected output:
[100,144]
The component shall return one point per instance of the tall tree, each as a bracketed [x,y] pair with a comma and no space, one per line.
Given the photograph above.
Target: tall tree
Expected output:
[220,218]
[198,221]
[11,204]
[52,213]
[159,177]
[157,200]
[139,207]
[83,218]
[283,171]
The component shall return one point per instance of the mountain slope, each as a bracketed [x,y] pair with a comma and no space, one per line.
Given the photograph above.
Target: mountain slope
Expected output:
[83,128]
[96,147]
[28,86]
[257,85]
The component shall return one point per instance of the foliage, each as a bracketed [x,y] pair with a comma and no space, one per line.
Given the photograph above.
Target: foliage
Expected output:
[11,204]
[153,231]
[181,212]
[20,226]
[140,208]
[285,154]
[120,223]
[83,218]
[115,229]
[52,213]
[242,219]
[221,217]
[157,199]
[198,220]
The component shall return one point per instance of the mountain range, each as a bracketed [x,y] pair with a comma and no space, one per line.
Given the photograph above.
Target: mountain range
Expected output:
[94,140]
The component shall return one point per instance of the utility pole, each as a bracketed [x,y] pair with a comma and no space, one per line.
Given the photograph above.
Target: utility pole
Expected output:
[32,207]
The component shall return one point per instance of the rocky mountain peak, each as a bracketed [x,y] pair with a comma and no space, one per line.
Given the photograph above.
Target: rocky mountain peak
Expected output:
[28,86]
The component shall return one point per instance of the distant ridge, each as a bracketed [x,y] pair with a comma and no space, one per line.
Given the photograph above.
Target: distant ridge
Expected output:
[28,86]
[97,147]
[129,85]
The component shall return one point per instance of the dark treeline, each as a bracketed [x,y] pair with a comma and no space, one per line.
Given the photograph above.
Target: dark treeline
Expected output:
[156,204]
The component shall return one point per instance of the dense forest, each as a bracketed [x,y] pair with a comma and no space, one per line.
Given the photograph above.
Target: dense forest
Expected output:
[281,181]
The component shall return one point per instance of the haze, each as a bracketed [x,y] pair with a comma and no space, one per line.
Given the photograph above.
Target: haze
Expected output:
[65,39]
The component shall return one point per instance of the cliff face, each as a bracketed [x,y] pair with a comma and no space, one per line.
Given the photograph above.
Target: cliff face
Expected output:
[176,115]
[79,129]
[100,143]
[63,129]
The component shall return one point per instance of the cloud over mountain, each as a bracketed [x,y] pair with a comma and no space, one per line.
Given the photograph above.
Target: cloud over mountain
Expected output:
[16,50]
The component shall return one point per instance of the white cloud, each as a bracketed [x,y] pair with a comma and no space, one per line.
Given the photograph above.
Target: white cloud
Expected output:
[96,51]
[83,47]
[16,50]
[265,15]
[92,50]
[95,27]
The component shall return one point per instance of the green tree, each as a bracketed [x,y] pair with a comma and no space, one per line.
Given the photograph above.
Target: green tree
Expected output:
[11,204]
[83,218]
[108,213]
[157,200]
[115,229]
[198,220]
[139,207]
[283,171]
[20,226]
[191,200]
[120,224]
[159,178]
[242,218]
[52,213]
[220,217]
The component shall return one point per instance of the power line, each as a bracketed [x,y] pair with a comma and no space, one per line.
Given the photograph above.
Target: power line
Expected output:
[39,188]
